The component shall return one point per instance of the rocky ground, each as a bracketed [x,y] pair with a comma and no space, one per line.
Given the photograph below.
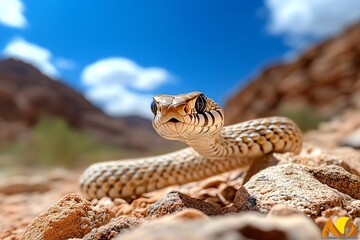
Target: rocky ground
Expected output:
[292,198]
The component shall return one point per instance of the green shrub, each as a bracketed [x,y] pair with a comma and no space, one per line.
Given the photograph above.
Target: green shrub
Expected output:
[306,117]
[53,142]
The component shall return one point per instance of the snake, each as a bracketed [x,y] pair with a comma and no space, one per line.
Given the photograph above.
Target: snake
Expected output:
[197,121]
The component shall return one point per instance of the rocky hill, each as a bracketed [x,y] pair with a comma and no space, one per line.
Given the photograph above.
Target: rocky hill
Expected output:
[322,81]
[26,95]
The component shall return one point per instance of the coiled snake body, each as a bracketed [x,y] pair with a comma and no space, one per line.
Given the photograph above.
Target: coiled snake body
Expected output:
[197,121]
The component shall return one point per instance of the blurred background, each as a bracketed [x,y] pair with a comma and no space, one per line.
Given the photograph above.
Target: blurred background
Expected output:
[77,77]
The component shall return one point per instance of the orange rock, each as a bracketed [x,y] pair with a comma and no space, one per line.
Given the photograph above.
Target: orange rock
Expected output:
[283,210]
[184,215]
[70,217]
[113,228]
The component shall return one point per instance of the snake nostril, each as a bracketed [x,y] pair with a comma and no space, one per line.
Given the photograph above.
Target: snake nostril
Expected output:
[173,120]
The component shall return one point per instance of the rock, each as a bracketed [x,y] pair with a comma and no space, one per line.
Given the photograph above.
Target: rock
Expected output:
[337,178]
[183,216]
[354,209]
[321,222]
[106,202]
[20,184]
[138,208]
[298,186]
[187,214]
[315,157]
[259,164]
[176,201]
[352,139]
[113,228]
[334,212]
[283,210]
[212,182]
[227,193]
[357,224]
[330,135]
[243,226]
[350,156]
[70,217]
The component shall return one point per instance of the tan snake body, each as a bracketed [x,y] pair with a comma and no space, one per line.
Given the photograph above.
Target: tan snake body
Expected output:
[197,121]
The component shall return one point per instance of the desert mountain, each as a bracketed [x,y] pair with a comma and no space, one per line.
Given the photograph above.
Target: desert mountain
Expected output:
[26,95]
[324,80]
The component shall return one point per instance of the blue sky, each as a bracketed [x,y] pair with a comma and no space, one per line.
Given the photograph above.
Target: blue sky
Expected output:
[120,53]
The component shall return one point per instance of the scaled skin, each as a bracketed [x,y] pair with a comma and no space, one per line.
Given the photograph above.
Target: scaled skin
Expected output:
[197,121]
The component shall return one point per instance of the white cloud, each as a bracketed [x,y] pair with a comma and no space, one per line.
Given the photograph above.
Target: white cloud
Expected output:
[64,63]
[119,101]
[11,13]
[31,53]
[115,83]
[303,21]
[125,72]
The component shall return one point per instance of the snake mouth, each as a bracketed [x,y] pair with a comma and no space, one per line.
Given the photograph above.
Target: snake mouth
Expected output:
[173,120]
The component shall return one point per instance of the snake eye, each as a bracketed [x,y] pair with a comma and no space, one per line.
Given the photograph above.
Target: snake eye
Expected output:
[200,104]
[153,107]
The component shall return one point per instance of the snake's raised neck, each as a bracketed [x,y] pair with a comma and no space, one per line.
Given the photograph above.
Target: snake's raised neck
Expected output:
[193,119]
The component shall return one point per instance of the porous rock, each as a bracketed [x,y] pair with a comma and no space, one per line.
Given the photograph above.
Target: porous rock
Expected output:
[187,214]
[336,177]
[183,215]
[113,228]
[71,217]
[310,190]
[176,201]
[354,209]
[283,210]
[241,226]
[227,193]
[138,208]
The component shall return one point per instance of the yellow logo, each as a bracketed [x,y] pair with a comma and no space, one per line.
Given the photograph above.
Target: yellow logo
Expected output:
[343,229]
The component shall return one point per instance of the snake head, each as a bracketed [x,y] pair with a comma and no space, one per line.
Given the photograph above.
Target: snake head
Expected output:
[186,117]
